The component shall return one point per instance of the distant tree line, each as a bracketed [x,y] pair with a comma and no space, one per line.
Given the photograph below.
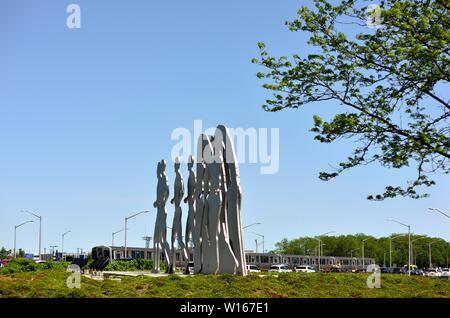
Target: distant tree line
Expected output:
[4,253]
[377,248]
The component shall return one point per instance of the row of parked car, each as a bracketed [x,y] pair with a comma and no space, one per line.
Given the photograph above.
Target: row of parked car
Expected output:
[284,268]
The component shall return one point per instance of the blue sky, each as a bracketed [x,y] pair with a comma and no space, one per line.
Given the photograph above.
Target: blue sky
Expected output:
[85,114]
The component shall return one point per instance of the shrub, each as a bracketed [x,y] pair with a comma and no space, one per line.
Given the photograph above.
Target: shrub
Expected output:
[21,265]
[133,265]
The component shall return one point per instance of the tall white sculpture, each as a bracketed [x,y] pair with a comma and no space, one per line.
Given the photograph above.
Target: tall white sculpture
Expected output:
[234,197]
[199,207]
[159,237]
[176,225]
[190,200]
[214,214]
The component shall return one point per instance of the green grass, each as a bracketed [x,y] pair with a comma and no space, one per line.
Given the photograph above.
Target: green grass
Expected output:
[52,283]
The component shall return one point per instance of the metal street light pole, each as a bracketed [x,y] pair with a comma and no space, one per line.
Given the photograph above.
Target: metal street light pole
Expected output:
[412,249]
[321,251]
[247,226]
[62,244]
[439,211]
[262,236]
[318,251]
[125,228]
[15,230]
[320,242]
[390,248]
[429,251]
[351,252]
[363,260]
[114,233]
[40,229]
[409,242]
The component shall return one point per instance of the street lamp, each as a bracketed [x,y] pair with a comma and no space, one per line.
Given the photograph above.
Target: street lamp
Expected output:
[125,228]
[15,230]
[262,236]
[390,248]
[320,241]
[114,233]
[321,251]
[412,247]
[409,242]
[251,225]
[439,211]
[429,251]
[363,260]
[62,244]
[40,229]
[351,252]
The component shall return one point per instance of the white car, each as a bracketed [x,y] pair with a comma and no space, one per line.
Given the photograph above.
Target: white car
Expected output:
[280,268]
[253,269]
[305,269]
[445,272]
[433,273]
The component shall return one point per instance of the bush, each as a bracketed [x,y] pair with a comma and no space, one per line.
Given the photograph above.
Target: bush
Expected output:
[133,265]
[21,265]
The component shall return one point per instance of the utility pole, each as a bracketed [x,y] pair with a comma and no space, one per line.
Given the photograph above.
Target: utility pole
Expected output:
[320,242]
[409,242]
[363,260]
[15,230]
[429,253]
[62,245]
[126,220]
[40,229]
[113,234]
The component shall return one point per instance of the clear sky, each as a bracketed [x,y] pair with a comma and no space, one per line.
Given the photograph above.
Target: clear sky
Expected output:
[85,114]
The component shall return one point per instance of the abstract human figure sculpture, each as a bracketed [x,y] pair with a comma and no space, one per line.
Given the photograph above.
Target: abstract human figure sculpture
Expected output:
[213,202]
[233,200]
[199,207]
[190,200]
[176,225]
[214,214]
[159,237]
[228,262]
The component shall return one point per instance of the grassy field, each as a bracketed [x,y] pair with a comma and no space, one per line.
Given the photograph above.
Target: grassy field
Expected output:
[52,283]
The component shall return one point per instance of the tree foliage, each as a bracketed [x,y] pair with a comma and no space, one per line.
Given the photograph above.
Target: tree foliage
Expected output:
[377,248]
[388,81]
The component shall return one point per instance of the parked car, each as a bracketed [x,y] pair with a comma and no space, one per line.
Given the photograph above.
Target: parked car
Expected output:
[253,269]
[398,270]
[384,270]
[417,272]
[280,268]
[361,270]
[432,272]
[305,269]
[445,272]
